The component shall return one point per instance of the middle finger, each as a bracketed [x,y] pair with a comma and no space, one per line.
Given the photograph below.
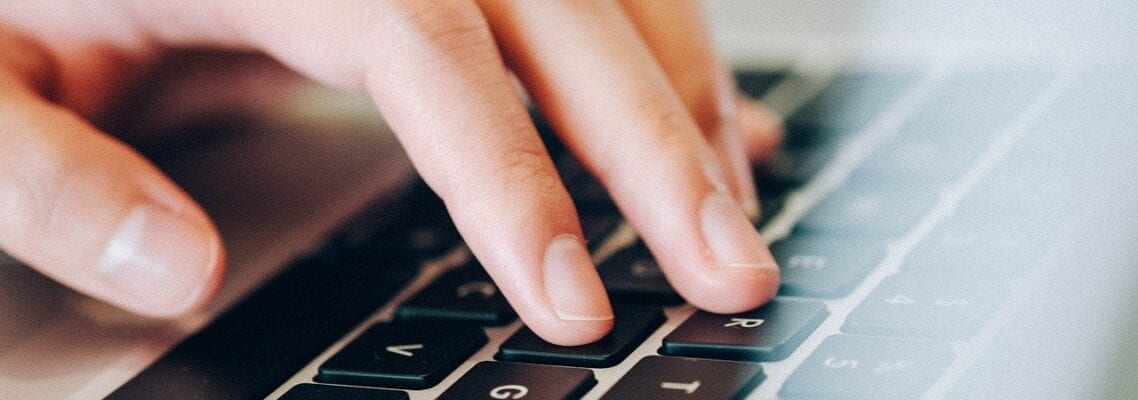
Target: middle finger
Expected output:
[593,77]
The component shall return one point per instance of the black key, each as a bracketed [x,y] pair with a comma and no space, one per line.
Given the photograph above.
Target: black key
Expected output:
[851,100]
[859,367]
[416,222]
[598,225]
[756,83]
[311,391]
[768,333]
[463,295]
[904,306]
[631,275]
[409,355]
[663,378]
[824,265]
[879,210]
[496,380]
[790,168]
[632,326]
[257,345]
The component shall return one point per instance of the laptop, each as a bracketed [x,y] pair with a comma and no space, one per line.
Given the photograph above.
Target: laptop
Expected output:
[952,208]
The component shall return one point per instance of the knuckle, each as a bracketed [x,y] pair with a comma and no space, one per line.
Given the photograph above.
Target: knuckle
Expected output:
[450,32]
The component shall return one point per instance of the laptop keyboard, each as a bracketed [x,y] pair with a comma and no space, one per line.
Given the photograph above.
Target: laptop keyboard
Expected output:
[891,259]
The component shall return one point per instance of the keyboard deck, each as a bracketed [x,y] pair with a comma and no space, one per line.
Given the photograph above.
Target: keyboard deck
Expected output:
[905,208]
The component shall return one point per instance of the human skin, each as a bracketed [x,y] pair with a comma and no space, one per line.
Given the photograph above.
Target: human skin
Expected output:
[633,88]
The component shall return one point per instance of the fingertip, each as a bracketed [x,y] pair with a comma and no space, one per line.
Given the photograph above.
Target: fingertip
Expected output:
[735,290]
[761,128]
[160,264]
[572,333]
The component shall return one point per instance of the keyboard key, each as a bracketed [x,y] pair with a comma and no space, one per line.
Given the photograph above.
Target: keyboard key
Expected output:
[664,378]
[598,225]
[756,83]
[947,309]
[823,265]
[463,295]
[790,168]
[880,210]
[309,391]
[859,367]
[632,326]
[416,222]
[768,333]
[851,100]
[631,275]
[982,249]
[496,380]
[407,355]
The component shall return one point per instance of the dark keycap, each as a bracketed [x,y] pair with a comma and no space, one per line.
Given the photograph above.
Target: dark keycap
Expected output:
[416,222]
[496,380]
[663,378]
[825,266]
[409,355]
[631,275]
[770,204]
[880,210]
[904,306]
[851,100]
[859,367]
[632,325]
[465,295]
[790,168]
[768,333]
[597,225]
[756,83]
[252,348]
[310,391]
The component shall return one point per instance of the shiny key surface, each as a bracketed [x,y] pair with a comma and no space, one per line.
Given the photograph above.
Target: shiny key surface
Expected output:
[461,295]
[632,325]
[667,378]
[632,275]
[409,355]
[498,380]
[916,307]
[883,210]
[859,367]
[825,266]
[768,333]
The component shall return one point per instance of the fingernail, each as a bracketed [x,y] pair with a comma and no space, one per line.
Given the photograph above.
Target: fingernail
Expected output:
[163,262]
[572,284]
[729,235]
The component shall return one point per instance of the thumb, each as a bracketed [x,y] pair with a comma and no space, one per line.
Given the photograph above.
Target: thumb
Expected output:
[89,212]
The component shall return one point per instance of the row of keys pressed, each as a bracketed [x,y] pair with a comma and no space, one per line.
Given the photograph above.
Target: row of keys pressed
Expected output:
[417,354]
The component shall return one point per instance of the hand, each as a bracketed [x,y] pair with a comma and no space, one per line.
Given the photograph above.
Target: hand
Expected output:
[632,86]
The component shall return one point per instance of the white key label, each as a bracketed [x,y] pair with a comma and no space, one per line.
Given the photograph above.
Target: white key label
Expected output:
[744,323]
[509,392]
[404,350]
[688,388]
